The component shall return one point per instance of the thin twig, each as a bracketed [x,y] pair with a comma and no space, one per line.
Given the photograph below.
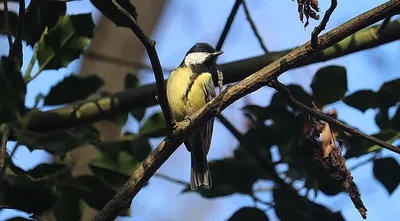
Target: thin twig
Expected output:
[3,147]
[228,25]
[27,75]
[322,116]
[254,28]
[6,24]
[231,94]
[370,159]
[122,62]
[384,25]
[155,63]
[165,177]
[7,161]
[317,30]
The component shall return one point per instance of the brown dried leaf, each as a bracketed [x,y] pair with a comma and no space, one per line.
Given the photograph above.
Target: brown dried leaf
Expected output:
[309,9]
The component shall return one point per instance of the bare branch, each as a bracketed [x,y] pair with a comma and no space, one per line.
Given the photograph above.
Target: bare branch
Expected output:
[15,52]
[155,63]
[317,30]
[144,96]
[231,94]
[228,24]
[9,38]
[254,28]
[322,116]
[173,180]
[119,61]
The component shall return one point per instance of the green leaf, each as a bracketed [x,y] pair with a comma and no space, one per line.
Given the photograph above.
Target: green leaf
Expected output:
[249,213]
[357,146]
[65,42]
[111,12]
[13,23]
[12,90]
[93,190]
[73,88]
[396,120]
[362,100]
[131,81]
[300,95]
[26,195]
[389,93]
[114,171]
[329,84]
[382,118]
[154,126]
[42,15]
[301,209]
[68,206]
[59,142]
[387,171]
[45,170]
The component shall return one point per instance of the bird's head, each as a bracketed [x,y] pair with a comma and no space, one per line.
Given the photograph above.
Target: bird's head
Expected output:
[201,54]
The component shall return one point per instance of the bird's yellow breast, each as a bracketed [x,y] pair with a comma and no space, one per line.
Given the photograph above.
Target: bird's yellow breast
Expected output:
[177,85]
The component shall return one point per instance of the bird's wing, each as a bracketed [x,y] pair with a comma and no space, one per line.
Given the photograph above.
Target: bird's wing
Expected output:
[209,92]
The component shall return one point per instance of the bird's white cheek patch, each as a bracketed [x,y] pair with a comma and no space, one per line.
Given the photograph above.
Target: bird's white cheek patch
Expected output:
[195,58]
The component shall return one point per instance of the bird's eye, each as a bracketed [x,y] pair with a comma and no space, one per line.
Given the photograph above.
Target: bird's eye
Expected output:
[203,50]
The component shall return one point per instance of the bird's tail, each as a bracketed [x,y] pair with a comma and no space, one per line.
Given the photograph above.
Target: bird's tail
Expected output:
[200,176]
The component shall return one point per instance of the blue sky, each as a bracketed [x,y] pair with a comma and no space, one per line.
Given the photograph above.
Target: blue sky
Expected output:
[184,23]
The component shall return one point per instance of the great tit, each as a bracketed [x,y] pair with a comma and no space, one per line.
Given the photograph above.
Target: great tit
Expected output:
[189,88]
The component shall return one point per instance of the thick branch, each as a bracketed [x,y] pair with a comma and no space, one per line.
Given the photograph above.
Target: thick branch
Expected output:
[322,116]
[231,94]
[317,30]
[144,96]
[150,46]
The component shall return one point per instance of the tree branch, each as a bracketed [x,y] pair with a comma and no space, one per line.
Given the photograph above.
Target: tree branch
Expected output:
[254,28]
[118,61]
[155,63]
[317,30]
[6,23]
[228,25]
[144,96]
[322,116]
[15,52]
[231,94]
[3,147]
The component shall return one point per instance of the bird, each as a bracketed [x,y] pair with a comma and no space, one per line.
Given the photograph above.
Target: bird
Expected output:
[189,88]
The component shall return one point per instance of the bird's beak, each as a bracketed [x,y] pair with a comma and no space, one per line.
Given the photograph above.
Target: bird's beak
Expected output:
[217,53]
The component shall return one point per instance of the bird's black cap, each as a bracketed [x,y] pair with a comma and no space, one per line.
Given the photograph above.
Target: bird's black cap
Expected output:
[201,47]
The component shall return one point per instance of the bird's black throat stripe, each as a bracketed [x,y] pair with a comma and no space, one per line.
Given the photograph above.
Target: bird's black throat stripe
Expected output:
[191,82]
